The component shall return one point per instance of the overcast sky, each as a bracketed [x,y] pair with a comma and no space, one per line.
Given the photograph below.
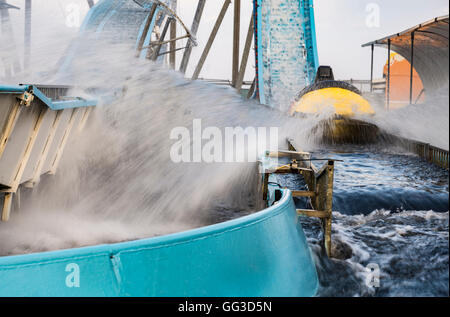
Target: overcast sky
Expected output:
[341,25]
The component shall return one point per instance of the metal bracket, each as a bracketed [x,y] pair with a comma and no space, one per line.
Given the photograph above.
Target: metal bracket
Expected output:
[26,99]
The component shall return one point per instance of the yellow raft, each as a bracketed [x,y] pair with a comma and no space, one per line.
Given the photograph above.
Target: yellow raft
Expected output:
[344,102]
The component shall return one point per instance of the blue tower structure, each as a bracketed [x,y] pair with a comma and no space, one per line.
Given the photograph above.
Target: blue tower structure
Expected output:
[285,48]
[309,31]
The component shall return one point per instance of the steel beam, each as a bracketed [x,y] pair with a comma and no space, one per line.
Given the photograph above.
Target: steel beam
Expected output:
[148,22]
[211,39]
[236,40]
[388,79]
[245,55]
[194,29]
[411,75]
[371,68]
[173,35]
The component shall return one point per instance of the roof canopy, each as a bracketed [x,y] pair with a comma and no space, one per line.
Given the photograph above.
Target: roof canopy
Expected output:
[430,50]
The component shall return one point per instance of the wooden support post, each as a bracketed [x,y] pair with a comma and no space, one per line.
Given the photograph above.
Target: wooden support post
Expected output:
[324,201]
[9,126]
[27,35]
[302,193]
[7,202]
[290,154]
[64,140]
[85,118]
[318,201]
[236,40]
[245,55]
[21,165]
[310,181]
[211,39]
[23,161]
[16,199]
[148,22]
[427,152]
[265,186]
[173,35]
[39,166]
[329,206]
[320,185]
[312,213]
[194,29]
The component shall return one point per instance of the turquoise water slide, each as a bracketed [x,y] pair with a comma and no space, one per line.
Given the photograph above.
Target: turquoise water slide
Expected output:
[263,254]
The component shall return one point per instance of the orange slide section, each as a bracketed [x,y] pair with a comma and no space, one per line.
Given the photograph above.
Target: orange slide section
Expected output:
[399,83]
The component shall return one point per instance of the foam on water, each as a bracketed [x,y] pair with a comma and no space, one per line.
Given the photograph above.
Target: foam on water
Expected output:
[410,248]
[383,206]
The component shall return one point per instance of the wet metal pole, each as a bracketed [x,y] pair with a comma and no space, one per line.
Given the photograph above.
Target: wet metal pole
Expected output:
[211,39]
[27,35]
[371,69]
[412,70]
[173,35]
[236,40]
[148,22]
[194,29]
[388,82]
[245,55]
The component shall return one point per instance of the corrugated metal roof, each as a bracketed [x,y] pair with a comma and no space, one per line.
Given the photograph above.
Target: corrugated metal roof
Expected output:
[431,58]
